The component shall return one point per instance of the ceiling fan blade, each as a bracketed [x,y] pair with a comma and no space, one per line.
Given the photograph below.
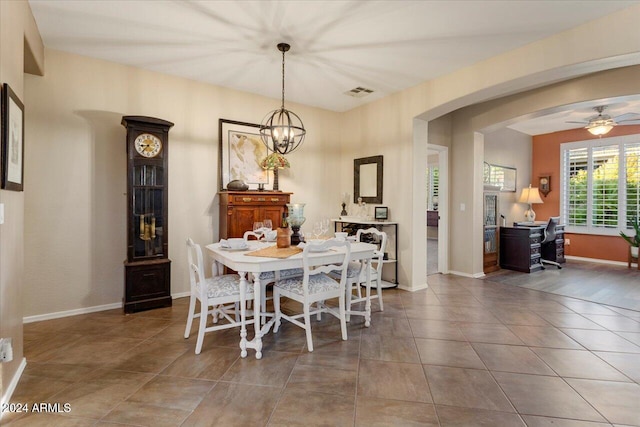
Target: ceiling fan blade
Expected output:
[581,123]
[626,117]
[629,122]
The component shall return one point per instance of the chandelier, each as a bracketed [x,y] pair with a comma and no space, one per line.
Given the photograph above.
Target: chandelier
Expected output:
[282,130]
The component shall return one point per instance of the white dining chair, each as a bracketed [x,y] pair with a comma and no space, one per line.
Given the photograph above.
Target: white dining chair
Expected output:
[314,287]
[356,273]
[216,292]
[269,277]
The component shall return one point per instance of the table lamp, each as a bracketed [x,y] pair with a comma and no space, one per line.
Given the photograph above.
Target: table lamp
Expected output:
[530,196]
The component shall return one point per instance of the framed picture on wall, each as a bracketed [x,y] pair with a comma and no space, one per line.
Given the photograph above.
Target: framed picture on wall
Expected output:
[12,140]
[241,150]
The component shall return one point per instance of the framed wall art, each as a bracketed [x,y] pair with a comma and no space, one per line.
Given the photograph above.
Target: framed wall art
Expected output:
[503,177]
[241,151]
[12,140]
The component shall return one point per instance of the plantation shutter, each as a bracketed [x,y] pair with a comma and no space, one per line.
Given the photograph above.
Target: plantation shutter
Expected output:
[632,182]
[575,179]
[604,186]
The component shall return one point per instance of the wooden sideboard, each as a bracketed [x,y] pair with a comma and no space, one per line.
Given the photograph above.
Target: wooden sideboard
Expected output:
[240,209]
[520,248]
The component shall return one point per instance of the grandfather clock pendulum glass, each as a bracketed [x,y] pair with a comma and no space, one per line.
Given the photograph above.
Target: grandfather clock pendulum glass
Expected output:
[147,267]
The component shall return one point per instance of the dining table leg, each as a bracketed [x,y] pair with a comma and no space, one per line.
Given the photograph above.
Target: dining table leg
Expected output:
[367,304]
[257,316]
[243,314]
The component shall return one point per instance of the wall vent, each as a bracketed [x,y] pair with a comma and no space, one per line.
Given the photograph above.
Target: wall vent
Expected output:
[359,92]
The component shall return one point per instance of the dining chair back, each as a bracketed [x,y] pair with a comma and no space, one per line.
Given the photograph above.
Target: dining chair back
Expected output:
[356,273]
[267,278]
[315,286]
[216,292]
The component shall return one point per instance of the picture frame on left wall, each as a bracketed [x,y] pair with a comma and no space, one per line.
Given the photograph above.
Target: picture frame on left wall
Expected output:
[12,140]
[241,151]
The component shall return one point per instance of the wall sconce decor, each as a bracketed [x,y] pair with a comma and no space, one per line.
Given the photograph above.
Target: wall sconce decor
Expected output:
[545,184]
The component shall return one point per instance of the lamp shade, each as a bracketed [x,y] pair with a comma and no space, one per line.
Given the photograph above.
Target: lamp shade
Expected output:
[530,195]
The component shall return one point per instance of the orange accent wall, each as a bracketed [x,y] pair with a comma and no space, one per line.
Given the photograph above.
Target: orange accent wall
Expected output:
[545,160]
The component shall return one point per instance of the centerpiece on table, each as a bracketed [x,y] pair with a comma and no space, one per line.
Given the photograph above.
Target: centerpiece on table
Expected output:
[274,162]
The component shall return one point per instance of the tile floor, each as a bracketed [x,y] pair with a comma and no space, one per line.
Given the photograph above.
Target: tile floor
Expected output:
[465,352]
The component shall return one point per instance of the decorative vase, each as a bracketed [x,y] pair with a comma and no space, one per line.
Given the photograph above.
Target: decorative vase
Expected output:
[634,251]
[296,219]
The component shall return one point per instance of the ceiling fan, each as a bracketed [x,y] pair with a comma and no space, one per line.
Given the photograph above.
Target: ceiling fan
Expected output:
[601,124]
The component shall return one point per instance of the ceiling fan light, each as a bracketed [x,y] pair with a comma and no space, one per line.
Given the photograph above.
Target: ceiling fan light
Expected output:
[599,129]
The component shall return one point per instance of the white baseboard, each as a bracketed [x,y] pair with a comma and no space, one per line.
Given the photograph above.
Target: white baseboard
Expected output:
[473,276]
[67,313]
[596,260]
[85,310]
[181,295]
[415,288]
[13,384]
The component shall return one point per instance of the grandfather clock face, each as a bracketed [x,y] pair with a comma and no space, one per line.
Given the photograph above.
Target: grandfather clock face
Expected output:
[148,145]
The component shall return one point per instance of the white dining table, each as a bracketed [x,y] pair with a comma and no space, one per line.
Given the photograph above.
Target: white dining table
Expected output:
[243,264]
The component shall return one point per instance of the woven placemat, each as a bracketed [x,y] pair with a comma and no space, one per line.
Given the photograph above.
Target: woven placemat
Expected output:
[276,252]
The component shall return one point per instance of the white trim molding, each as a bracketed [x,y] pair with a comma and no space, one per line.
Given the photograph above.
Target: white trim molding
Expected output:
[13,384]
[595,260]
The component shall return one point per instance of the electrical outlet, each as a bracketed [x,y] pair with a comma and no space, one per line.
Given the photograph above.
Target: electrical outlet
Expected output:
[6,350]
[567,242]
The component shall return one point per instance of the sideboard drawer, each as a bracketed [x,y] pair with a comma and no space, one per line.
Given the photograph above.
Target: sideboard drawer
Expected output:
[259,200]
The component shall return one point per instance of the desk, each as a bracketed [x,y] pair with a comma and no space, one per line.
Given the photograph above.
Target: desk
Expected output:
[237,261]
[520,248]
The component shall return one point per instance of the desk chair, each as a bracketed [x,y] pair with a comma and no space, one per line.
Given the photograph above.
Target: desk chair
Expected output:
[550,240]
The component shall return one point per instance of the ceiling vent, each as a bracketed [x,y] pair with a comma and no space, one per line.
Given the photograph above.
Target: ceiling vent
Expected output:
[359,92]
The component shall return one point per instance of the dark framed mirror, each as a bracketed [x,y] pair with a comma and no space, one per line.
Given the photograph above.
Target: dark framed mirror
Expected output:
[367,179]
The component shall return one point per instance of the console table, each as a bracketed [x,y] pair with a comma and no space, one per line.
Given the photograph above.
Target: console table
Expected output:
[352,226]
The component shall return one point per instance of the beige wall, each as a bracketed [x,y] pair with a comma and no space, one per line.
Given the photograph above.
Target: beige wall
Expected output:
[16,26]
[507,147]
[75,209]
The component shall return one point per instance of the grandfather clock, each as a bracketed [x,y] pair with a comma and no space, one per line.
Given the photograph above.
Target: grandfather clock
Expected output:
[147,268]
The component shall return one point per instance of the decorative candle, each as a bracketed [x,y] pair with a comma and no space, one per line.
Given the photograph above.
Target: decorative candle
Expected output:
[153,227]
[141,224]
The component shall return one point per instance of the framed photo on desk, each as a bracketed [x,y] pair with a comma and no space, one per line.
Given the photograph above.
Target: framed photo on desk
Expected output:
[381,213]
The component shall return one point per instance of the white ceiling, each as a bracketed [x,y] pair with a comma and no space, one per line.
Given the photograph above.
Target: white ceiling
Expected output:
[386,46]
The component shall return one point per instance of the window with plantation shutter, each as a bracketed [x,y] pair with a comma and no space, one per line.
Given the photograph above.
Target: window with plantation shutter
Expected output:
[433,181]
[575,195]
[632,181]
[600,181]
[604,186]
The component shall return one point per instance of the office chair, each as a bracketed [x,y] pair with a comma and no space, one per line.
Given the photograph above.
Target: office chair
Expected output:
[549,242]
